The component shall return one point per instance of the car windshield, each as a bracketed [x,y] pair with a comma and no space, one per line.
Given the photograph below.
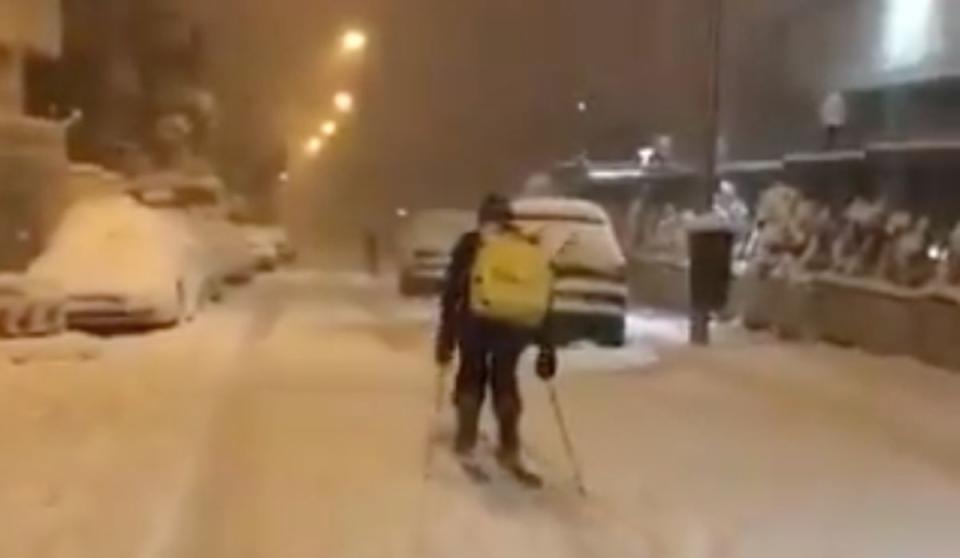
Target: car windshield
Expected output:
[438,230]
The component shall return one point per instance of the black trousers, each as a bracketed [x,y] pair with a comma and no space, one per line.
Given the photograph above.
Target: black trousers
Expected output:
[489,354]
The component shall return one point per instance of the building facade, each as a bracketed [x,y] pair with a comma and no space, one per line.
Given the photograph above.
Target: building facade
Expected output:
[33,162]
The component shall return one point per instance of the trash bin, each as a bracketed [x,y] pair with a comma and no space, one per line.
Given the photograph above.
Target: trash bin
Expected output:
[711,251]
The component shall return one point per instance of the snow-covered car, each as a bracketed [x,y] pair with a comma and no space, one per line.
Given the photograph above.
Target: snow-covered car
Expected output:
[29,308]
[120,264]
[200,193]
[202,203]
[264,252]
[286,253]
[426,240]
[228,249]
[590,294]
[270,246]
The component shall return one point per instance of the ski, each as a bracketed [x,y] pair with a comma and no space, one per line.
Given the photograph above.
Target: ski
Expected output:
[474,470]
[522,475]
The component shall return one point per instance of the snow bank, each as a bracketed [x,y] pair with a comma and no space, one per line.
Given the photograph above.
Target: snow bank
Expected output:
[93,450]
[71,347]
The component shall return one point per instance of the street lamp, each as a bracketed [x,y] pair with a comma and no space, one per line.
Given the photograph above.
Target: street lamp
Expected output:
[354,41]
[344,102]
[313,146]
[329,128]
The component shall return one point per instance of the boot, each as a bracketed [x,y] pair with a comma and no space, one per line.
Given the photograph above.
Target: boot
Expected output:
[508,453]
[468,419]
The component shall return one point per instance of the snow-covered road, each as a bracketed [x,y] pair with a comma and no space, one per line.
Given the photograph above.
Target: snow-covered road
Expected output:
[292,422]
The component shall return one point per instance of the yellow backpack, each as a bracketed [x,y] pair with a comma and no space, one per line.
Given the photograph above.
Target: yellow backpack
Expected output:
[512,280]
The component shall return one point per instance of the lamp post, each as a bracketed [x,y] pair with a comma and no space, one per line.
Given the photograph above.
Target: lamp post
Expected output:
[714,96]
[709,249]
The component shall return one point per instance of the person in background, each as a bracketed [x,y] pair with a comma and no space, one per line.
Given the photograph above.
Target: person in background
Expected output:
[489,349]
[833,118]
[371,252]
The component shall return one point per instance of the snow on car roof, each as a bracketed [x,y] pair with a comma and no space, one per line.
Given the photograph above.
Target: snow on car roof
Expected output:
[166,180]
[562,209]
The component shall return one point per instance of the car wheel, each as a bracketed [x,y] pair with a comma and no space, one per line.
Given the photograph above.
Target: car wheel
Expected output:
[613,341]
[215,292]
[36,321]
[58,320]
[5,323]
[613,337]
[183,304]
[406,287]
[196,299]
[19,323]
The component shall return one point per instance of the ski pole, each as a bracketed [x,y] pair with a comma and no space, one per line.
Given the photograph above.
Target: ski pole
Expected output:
[435,416]
[440,388]
[567,440]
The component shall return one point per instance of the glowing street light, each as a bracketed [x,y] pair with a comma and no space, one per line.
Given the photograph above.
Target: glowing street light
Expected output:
[354,41]
[313,146]
[329,128]
[344,102]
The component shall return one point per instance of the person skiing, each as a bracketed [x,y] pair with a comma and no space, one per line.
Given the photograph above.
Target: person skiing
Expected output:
[491,339]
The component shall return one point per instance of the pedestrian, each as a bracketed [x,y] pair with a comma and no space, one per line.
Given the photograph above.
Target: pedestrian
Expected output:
[491,323]
[371,250]
[833,118]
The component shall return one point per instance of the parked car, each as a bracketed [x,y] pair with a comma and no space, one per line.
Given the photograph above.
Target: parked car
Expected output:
[228,249]
[425,242]
[120,264]
[269,245]
[29,308]
[591,294]
[202,204]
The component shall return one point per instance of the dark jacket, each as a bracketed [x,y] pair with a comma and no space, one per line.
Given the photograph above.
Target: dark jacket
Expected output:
[455,312]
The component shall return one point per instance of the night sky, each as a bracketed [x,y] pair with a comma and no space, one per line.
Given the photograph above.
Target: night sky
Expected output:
[458,97]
